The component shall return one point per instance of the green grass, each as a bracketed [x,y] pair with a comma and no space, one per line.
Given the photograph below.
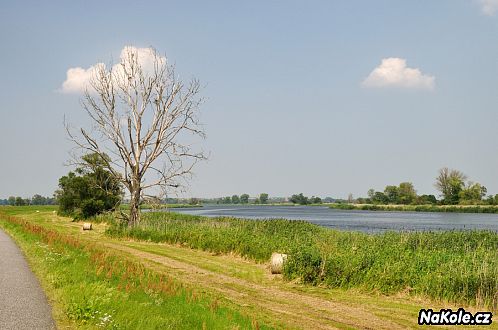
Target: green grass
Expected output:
[253,239]
[418,208]
[460,267]
[97,288]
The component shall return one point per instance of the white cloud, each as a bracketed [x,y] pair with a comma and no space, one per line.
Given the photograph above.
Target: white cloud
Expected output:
[78,79]
[489,7]
[393,72]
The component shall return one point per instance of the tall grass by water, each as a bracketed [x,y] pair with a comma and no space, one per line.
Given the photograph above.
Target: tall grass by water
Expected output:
[456,266]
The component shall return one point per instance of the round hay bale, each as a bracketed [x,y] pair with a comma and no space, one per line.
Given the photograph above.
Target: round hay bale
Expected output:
[277,262]
[87,226]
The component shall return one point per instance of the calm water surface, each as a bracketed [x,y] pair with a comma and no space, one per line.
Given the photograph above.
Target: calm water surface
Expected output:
[367,221]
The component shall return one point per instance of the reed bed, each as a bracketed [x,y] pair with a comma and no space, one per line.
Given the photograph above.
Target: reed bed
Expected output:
[455,266]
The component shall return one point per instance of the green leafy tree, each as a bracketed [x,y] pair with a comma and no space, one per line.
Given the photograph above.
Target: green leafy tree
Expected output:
[299,199]
[235,199]
[392,194]
[12,200]
[244,198]
[450,183]
[406,193]
[227,200]
[263,198]
[472,193]
[426,199]
[19,201]
[38,200]
[361,200]
[371,193]
[88,191]
[379,198]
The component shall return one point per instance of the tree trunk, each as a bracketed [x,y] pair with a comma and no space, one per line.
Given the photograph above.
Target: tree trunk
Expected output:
[134,207]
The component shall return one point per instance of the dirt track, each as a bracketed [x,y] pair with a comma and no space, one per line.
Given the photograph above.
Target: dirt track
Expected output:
[276,300]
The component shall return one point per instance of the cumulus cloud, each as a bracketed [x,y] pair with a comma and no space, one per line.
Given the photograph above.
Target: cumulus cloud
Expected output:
[393,72]
[489,7]
[78,79]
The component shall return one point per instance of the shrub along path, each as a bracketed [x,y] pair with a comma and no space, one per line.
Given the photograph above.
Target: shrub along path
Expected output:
[23,304]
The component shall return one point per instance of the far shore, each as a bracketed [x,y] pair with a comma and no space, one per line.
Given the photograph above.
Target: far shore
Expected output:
[417,208]
[493,209]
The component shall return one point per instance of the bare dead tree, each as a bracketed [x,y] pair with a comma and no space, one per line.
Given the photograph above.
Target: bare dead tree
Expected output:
[143,122]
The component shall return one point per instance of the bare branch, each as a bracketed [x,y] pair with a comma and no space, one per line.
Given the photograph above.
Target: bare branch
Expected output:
[144,118]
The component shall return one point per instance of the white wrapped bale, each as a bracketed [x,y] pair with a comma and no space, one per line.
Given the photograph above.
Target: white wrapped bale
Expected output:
[277,262]
[87,226]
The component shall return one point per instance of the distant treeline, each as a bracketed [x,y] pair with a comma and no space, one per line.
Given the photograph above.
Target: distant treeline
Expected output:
[35,200]
[452,185]
[264,198]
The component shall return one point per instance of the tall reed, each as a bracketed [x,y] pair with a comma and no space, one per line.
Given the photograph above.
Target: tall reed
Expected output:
[458,266]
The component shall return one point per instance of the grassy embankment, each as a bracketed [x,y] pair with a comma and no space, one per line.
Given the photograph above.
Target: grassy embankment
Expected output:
[417,208]
[92,274]
[460,267]
[93,287]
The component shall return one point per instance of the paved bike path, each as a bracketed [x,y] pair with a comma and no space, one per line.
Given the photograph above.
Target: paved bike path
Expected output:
[23,304]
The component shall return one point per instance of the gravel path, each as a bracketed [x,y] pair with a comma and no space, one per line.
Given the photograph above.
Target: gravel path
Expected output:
[23,304]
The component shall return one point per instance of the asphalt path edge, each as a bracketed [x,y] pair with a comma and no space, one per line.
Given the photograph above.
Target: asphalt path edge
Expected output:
[23,303]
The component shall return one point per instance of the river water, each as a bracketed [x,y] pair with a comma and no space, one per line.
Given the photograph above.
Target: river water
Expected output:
[366,221]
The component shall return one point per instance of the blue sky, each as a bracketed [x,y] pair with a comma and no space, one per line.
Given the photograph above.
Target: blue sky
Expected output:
[297,97]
